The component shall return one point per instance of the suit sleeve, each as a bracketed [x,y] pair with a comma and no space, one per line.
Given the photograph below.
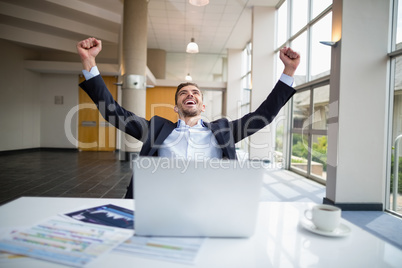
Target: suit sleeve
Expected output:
[264,114]
[116,115]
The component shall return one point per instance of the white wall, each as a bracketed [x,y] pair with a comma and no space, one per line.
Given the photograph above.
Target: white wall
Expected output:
[19,101]
[29,118]
[53,116]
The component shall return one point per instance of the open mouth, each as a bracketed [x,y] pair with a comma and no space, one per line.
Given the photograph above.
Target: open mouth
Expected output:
[189,102]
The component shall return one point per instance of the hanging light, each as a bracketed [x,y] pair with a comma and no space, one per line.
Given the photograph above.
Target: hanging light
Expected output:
[188,77]
[199,3]
[192,47]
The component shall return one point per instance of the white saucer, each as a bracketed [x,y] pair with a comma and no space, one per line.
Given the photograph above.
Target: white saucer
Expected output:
[341,230]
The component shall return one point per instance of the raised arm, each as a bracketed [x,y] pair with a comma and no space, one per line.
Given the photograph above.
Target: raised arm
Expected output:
[96,89]
[266,112]
[88,49]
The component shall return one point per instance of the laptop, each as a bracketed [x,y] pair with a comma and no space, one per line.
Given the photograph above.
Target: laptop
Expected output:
[179,197]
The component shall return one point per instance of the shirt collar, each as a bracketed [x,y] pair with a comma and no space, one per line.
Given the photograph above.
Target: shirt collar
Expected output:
[182,124]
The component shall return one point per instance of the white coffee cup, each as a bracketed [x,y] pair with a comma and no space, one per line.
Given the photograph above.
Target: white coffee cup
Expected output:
[324,217]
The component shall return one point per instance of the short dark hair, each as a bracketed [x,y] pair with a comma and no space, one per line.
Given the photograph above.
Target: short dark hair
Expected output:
[181,86]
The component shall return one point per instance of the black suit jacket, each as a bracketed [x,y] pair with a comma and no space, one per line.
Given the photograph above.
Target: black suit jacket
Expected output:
[153,132]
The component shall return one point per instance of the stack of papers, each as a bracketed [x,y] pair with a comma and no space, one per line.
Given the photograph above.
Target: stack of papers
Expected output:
[66,242]
[80,237]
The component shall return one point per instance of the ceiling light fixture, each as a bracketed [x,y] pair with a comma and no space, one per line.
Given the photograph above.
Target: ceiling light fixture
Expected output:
[188,77]
[192,47]
[199,3]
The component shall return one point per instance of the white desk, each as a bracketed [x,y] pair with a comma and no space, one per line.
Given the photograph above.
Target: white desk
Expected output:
[279,240]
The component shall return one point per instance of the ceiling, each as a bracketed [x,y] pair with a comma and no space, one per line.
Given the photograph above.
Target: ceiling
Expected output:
[53,27]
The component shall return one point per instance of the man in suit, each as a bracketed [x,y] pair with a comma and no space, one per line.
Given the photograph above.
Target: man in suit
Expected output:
[190,137]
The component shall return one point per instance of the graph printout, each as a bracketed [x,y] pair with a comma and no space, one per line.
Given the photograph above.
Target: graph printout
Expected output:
[184,250]
[109,215]
[57,240]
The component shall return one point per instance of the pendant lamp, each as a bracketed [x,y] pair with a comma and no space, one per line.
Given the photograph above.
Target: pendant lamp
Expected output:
[192,47]
[199,3]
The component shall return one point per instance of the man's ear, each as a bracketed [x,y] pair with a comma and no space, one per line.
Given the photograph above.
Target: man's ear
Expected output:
[203,108]
[176,109]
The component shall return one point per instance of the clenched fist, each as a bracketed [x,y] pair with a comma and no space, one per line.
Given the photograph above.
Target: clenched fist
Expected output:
[290,59]
[88,49]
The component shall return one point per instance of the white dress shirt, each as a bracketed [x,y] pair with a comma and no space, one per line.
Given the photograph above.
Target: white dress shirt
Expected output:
[194,143]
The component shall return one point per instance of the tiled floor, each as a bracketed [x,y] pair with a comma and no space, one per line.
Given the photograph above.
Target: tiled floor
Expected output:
[64,173]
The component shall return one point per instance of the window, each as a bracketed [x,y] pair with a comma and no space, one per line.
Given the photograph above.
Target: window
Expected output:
[398,24]
[282,24]
[319,6]
[299,15]
[300,44]
[309,131]
[246,88]
[310,22]
[395,184]
[320,55]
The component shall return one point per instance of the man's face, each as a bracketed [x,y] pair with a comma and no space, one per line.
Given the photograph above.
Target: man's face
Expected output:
[189,102]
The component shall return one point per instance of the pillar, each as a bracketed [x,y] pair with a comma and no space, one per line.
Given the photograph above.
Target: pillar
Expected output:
[263,41]
[359,103]
[234,84]
[134,62]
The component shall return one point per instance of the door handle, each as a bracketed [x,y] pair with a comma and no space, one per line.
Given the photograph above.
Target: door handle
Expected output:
[88,123]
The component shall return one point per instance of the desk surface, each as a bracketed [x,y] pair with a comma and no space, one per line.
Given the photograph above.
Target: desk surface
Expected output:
[279,240]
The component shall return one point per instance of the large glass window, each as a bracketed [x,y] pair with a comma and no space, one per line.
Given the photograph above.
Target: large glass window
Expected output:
[299,15]
[282,15]
[320,107]
[300,44]
[398,23]
[246,79]
[246,88]
[318,6]
[396,159]
[395,184]
[301,120]
[320,55]
[311,22]
[309,132]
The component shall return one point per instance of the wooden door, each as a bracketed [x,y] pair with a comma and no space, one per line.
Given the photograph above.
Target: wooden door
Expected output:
[94,133]
[160,101]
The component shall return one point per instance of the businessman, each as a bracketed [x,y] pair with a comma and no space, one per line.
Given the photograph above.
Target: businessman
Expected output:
[190,137]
